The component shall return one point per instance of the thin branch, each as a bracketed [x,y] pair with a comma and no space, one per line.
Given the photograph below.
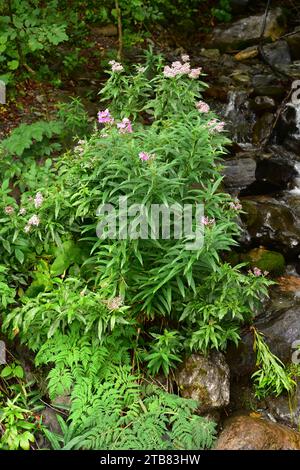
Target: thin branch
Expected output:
[120,30]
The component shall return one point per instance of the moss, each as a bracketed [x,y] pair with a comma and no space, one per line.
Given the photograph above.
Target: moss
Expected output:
[266,260]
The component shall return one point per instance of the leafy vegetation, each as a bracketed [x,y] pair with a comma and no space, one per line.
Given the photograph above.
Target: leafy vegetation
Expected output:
[103,315]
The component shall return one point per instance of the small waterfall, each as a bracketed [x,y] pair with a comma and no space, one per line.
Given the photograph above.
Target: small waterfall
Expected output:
[297,120]
[296,189]
[232,96]
[239,117]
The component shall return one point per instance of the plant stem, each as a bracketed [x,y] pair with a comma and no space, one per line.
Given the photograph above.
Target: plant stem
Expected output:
[120,30]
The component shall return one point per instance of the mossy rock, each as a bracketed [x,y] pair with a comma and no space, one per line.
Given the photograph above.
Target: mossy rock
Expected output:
[266,260]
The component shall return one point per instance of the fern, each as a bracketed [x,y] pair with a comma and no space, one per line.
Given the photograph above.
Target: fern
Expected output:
[122,415]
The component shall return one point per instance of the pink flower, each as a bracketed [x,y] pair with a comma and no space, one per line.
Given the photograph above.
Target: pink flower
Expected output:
[27,228]
[9,210]
[217,126]
[105,117]
[125,126]
[144,156]
[207,221]
[195,73]
[185,58]
[38,200]
[257,272]
[115,303]
[116,66]
[34,220]
[177,68]
[22,211]
[202,107]
[169,72]
[236,206]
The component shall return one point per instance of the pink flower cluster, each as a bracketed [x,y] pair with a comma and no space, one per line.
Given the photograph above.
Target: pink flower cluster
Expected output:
[144,156]
[104,117]
[79,149]
[258,272]
[33,221]
[236,205]
[207,221]
[115,303]
[38,200]
[185,58]
[116,66]
[181,68]
[202,107]
[125,126]
[9,210]
[215,125]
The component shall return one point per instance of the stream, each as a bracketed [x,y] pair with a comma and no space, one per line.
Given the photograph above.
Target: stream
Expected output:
[258,98]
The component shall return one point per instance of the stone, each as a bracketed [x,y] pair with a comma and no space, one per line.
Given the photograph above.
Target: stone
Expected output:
[286,409]
[277,168]
[206,380]
[262,129]
[279,321]
[293,41]
[245,432]
[246,54]
[278,53]
[212,54]
[267,85]
[239,173]
[247,31]
[265,260]
[271,223]
[287,130]
[262,104]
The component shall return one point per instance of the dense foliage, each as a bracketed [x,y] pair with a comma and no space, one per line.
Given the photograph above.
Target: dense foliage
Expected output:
[105,315]
[30,31]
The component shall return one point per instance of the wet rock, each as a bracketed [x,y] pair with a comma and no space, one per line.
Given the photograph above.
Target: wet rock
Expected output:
[277,168]
[266,260]
[286,409]
[247,31]
[212,54]
[287,131]
[269,222]
[294,44]
[206,380]
[278,53]
[239,173]
[247,54]
[262,104]
[239,116]
[248,433]
[263,129]
[279,321]
[282,331]
[266,84]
